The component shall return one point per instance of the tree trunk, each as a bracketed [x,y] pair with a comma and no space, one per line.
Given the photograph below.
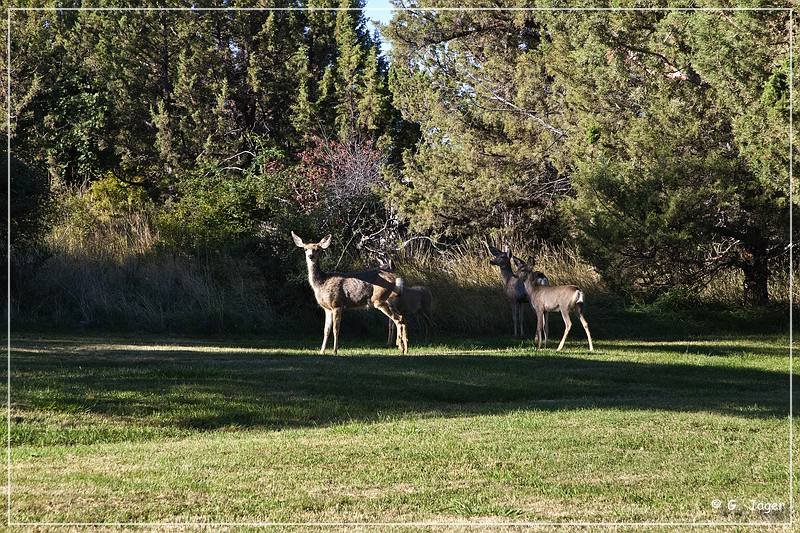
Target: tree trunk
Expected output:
[756,275]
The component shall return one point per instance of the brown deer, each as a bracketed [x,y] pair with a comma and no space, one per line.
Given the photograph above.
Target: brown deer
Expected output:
[513,286]
[540,279]
[414,301]
[337,291]
[544,299]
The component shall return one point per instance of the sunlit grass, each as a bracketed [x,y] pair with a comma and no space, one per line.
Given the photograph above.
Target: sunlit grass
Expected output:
[481,430]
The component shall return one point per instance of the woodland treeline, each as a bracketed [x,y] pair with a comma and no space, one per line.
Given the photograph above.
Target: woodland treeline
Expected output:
[655,143]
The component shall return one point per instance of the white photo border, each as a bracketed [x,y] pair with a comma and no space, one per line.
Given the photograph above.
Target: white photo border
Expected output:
[9,522]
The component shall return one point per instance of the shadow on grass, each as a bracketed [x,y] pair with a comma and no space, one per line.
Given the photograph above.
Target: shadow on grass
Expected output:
[196,388]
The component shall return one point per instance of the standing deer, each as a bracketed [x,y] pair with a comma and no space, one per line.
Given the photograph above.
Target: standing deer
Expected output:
[513,286]
[540,279]
[544,298]
[337,291]
[414,301]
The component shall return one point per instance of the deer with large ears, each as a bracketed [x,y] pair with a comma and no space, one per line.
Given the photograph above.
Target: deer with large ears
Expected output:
[513,287]
[543,299]
[337,291]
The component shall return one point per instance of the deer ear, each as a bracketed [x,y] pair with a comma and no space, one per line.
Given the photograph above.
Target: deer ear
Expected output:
[297,240]
[324,243]
[519,262]
[492,249]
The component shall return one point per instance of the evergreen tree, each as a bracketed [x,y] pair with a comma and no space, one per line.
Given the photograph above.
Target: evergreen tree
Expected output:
[673,182]
[302,110]
[476,84]
[661,135]
[349,67]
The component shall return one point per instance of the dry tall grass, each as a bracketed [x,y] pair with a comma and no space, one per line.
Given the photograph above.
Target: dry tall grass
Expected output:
[112,273]
[467,290]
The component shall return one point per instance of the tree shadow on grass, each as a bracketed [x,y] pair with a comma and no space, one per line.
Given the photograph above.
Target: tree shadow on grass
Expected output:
[195,389]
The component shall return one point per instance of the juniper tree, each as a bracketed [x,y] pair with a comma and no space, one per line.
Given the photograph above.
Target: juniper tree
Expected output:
[661,136]
[677,138]
[477,85]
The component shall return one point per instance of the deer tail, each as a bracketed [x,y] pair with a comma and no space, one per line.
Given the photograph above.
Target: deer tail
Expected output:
[400,284]
[580,302]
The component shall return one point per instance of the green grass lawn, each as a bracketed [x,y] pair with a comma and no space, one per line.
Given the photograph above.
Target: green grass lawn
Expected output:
[486,430]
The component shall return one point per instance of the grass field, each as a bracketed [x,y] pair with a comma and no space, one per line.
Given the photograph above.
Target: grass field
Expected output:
[177,430]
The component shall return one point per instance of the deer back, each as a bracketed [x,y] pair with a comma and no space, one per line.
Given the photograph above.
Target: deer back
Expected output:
[414,299]
[356,289]
[551,298]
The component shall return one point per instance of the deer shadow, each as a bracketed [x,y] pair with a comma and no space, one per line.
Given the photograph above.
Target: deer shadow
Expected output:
[194,387]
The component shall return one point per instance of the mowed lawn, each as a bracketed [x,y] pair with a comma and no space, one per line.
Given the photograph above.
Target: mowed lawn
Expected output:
[116,430]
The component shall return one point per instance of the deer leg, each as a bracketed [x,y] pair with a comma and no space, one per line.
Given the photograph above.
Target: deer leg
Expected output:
[398,338]
[567,325]
[404,348]
[337,322]
[521,319]
[399,322]
[427,324]
[585,325]
[326,331]
[391,334]
[545,327]
[514,317]
[539,325]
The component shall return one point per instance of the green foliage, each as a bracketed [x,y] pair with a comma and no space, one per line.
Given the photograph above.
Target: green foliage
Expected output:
[32,205]
[776,91]
[110,197]
[655,140]
[660,134]
[153,94]
[477,85]
[685,179]
[221,210]
[593,134]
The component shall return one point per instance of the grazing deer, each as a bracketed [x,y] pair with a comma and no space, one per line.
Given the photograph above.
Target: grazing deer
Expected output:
[414,301]
[337,291]
[514,287]
[544,298]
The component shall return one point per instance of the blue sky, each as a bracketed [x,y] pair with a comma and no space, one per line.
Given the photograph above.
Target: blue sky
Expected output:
[378,10]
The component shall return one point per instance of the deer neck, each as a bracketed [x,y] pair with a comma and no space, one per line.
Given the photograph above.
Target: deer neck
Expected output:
[507,274]
[315,275]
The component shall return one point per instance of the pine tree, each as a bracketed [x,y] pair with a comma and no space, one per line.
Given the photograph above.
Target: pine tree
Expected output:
[373,105]
[349,84]
[302,110]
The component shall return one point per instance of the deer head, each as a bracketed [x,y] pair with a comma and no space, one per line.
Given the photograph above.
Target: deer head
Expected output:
[525,271]
[313,250]
[499,258]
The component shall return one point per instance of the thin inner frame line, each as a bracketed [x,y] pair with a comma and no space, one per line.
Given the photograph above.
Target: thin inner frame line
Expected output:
[9,9]
[431,9]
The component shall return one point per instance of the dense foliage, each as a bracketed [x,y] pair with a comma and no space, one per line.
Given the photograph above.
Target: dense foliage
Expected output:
[164,101]
[655,141]
[660,136]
